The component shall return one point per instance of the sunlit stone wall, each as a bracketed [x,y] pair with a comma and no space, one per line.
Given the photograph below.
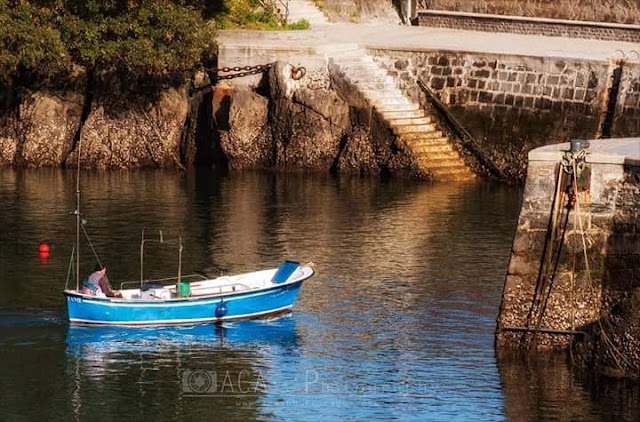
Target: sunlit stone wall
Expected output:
[576,278]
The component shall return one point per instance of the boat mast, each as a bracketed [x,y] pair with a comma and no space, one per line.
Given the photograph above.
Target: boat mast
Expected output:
[78,216]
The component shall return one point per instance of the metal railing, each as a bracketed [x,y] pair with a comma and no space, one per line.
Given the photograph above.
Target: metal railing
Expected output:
[467,140]
[164,281]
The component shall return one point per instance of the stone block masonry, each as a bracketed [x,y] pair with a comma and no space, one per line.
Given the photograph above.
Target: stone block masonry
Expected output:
[512,104]
[575,277]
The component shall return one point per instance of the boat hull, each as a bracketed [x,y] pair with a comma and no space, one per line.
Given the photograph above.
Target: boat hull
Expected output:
[263,303]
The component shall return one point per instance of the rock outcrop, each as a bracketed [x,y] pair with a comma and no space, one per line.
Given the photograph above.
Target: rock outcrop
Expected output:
[41,132]
[241,118]
[307,124]
[146,136]
[288,123]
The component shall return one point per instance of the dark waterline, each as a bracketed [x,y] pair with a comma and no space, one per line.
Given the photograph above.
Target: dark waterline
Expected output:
[398,323]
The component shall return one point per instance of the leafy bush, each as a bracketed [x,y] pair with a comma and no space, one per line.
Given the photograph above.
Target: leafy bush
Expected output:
[145,38]
[299,25]
[250,14]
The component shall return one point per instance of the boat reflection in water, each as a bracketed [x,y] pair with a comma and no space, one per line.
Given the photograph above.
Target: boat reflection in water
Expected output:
[112,339]
[190,371]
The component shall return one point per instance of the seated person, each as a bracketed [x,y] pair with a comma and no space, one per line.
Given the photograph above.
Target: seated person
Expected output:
[97,284]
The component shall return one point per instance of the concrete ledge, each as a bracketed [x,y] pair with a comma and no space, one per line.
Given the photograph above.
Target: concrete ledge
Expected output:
[529,25]
[487,16]
[623,151]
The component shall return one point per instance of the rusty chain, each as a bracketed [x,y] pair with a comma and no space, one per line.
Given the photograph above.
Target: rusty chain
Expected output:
[240,71]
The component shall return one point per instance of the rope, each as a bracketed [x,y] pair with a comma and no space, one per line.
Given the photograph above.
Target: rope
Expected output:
[603,333]
[547,253]
[95,254]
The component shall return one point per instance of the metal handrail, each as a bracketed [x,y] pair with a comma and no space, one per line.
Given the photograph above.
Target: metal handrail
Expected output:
[161,280]
[468,141]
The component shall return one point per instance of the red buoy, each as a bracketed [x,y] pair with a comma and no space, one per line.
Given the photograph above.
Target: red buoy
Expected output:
[43,248]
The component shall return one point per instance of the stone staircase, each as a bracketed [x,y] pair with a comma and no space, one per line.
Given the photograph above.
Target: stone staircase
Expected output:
[304,9]
[432,150]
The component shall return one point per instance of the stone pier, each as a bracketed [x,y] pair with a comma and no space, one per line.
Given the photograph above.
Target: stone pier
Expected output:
[574,274]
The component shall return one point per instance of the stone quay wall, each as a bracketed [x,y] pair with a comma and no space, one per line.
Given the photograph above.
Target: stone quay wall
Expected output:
[529,25]
[513,104]
[578,283]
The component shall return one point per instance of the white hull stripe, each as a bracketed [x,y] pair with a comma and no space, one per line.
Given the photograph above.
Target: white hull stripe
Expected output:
[179,321]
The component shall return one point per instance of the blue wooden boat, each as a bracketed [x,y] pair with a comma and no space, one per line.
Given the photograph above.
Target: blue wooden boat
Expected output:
[191,299]
[259,294]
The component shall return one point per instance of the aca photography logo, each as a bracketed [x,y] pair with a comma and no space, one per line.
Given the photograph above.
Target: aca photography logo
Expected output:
[199,382]
[222,384]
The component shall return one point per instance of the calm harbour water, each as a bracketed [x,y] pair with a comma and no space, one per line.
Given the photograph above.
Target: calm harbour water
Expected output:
[397,324]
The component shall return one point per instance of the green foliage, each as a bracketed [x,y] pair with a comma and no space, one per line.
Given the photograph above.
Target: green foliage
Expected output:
[141,38]
[30,40]
[299,25]
[250,14]
[254,14]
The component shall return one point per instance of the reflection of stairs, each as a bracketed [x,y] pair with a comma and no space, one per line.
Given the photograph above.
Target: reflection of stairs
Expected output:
[304,9]
[433,151]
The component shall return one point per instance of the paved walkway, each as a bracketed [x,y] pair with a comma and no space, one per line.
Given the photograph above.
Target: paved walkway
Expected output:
[422,38]
[608,151]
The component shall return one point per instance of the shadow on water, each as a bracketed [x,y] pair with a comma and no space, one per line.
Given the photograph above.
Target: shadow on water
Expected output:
[545,385]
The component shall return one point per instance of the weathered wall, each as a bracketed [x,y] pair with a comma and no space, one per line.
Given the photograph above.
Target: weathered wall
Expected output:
[578,271]
[319,123]
[529,26]
[620,11]
[512,104]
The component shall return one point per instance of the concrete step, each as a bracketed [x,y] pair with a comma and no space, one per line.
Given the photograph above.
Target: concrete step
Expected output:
[374,84]
[408,121]
[434,137]
[464,176]
[430,140]
[391,91]
[383,108]
[304,9]
[370,80]
[392,100]
[436,155]
[414,129]
[310,16]
[391,115]
[367,74]
[364,66]
[452,171]
[432,149]
[455,163]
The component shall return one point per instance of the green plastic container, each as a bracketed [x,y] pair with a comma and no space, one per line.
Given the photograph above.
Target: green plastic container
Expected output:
[184,289]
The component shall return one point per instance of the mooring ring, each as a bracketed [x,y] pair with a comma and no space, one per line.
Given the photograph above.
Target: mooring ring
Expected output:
[298,73]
